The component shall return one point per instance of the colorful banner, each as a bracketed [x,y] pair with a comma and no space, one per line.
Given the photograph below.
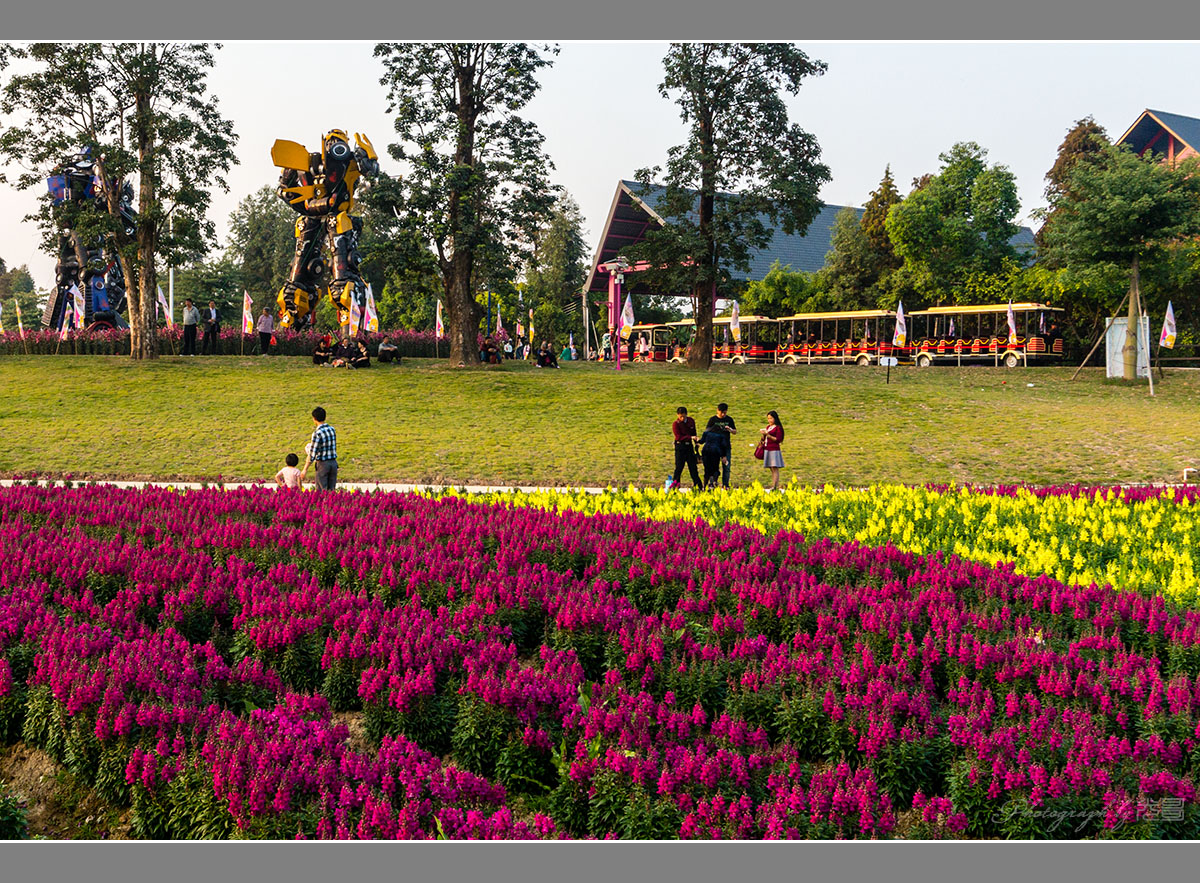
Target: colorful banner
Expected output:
[900,338]
[440,329]
[355,317]
[372,323]
[627,322]
[531,326]
[79,312]
[162,305]
[1167,338]
[1,318]
[20,325]
[247,313]
[735,324]
[1012,324]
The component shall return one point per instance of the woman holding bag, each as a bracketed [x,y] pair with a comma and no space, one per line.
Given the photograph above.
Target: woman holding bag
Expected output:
[772,457]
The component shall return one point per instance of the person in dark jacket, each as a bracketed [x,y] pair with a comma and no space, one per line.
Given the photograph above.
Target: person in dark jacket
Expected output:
[714,448]
[684,432]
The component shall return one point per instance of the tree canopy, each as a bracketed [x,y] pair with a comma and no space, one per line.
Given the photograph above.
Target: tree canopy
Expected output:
[479,183]
[144,110]
[744,168]
[957,223]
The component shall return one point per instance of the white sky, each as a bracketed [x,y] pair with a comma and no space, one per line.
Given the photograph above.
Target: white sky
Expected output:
[599,108]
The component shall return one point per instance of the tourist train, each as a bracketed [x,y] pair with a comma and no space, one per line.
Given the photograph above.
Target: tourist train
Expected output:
[959,335]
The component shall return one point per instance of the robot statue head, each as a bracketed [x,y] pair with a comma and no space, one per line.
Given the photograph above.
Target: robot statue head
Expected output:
[335,145]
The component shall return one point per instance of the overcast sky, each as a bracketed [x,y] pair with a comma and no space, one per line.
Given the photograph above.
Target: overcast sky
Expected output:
[599,108]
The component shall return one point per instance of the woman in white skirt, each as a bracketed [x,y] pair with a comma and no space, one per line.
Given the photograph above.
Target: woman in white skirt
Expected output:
[772,435]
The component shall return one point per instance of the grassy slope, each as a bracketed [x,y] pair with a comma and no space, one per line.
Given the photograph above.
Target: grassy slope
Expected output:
[586,424]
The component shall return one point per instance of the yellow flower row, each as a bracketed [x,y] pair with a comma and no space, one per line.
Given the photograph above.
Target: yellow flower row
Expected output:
[1148,545]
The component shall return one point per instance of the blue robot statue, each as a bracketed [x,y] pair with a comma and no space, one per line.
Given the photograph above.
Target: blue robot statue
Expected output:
[87,264]
[320,187]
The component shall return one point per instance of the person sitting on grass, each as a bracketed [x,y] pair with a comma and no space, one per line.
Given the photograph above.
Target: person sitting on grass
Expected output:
[358,355]
[324,351]
[289,475]
[545,357]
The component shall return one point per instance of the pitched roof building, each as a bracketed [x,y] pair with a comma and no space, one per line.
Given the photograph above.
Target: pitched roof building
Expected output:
[1170,135]
[632,213]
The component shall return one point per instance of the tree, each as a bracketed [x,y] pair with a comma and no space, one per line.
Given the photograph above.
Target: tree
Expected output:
[479,185]
[557,272]
[874,222]
[1086,142]
[221,281]
[1123,209]
[144,110]
[17,285]
[782,292]
[262,240]
[743,169]
[956,223]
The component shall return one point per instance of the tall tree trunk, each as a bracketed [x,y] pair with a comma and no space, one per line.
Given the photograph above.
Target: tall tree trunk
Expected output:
[143,343]
[700,354]
[1129,351]
[464,312]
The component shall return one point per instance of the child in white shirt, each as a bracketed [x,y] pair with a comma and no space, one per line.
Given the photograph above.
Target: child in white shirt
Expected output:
[289,475]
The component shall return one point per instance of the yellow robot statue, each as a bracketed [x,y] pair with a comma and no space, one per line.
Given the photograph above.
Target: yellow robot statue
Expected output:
[320,189]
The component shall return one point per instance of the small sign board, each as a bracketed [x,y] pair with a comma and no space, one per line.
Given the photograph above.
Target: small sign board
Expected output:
[888,361]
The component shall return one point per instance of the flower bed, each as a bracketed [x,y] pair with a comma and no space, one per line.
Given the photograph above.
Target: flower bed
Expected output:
[521,673]
[1146,539]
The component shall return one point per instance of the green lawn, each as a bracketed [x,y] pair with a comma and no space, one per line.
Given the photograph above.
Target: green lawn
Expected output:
[236,417]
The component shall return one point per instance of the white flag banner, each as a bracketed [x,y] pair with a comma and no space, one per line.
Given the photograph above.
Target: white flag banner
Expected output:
[900,338]
[627,322]
[735,325]
[162,304]
[1167,338]
[247,312]
[20,325]
[372,323]
[499,323]
[950,334]
[440,329]
[1012,324]
[79,309]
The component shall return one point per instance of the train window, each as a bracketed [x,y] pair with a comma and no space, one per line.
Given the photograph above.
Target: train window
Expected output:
[768,332]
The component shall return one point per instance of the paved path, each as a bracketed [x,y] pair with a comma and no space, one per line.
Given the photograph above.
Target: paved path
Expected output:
[342,485]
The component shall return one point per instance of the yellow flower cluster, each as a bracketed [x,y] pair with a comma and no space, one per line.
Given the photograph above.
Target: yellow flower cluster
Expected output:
[1148,545]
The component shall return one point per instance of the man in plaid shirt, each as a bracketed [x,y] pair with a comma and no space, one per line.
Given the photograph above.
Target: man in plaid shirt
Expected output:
[322,452]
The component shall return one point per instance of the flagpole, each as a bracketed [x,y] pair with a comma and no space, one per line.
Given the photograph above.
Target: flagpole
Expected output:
[1150,372]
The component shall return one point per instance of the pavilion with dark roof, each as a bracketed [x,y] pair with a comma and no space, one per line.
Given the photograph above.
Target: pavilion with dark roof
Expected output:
[632,213]
[1169,135]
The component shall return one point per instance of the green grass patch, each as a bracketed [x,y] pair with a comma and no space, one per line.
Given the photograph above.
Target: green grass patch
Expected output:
[424,422]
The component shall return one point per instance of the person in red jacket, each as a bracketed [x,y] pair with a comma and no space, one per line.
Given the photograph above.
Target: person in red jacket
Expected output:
[772,435]
[684,430]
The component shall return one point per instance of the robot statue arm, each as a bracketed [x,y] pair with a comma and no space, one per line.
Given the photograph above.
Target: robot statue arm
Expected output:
[365,155]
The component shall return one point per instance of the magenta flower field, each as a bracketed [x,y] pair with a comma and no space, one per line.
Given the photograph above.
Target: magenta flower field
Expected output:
[271,664]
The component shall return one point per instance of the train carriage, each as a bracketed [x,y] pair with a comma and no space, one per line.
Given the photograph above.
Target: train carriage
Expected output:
[850,337]
[980,334]
[758,340]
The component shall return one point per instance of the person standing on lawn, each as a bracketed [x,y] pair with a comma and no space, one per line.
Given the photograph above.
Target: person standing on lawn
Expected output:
[191,320]
[266,328]
[772,435]
[714,449]
[684,431]
[322,452]
[730,428]
[212,327]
